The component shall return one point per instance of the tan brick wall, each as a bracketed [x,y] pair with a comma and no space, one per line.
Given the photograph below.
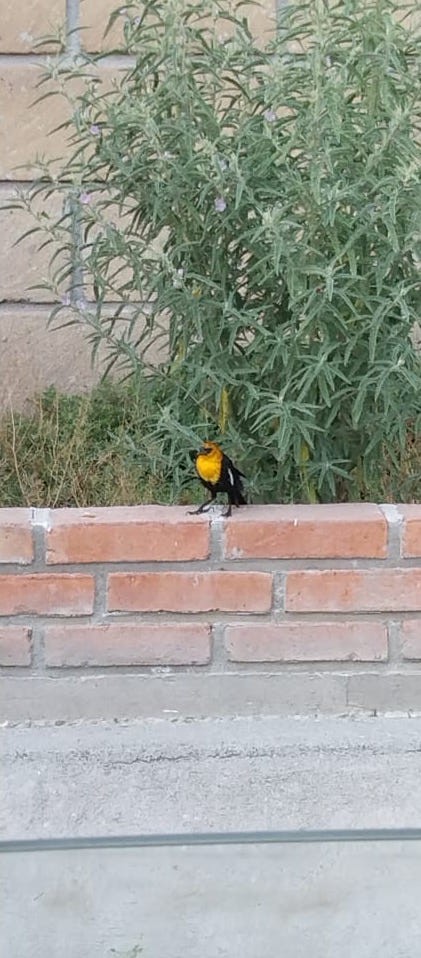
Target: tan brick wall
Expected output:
[30,357]
[22,264]
[23,24]
[33,357]
[261,16]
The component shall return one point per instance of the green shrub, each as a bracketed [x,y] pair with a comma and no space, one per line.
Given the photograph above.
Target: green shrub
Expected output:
[257,212]
[93,451]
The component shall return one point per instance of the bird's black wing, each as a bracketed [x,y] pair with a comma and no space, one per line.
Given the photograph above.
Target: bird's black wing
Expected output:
[230,481]
[230,465]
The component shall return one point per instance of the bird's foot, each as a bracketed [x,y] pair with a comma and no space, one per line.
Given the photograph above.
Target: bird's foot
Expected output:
[203,508]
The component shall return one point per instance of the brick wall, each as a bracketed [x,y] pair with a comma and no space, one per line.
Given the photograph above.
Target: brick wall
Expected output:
[292,608]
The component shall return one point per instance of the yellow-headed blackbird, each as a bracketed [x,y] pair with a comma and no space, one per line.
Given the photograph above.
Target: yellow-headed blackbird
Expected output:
[218,474]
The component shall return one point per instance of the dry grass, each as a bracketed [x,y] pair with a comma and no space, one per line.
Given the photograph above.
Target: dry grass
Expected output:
[76,451]
[401,477]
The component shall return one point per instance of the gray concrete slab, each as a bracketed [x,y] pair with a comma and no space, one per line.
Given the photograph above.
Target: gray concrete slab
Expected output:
[225,774]
[306,901]
[185,694]
[294,901]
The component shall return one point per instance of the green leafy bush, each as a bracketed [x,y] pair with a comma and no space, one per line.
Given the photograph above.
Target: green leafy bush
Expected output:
[256,211]
[92,450]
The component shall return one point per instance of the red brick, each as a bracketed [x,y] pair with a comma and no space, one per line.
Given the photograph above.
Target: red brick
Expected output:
[16,536]
[190,592]
[15,645]
[127,534]
[411,639]
[350,530]
[383,590]
[307,642]
[43,594]
[411,536]
[172,643]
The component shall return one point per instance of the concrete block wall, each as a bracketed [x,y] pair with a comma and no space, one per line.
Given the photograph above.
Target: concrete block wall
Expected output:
[124,612]
[32,357]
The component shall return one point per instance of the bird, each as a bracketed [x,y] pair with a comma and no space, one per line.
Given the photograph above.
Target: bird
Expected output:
[217,473]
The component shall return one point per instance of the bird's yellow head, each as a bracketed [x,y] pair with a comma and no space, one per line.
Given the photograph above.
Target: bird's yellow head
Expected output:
[208,462]
[210,448]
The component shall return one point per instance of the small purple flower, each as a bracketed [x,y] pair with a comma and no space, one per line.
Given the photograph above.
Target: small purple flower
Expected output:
[220,204]
[65,299]
[95,130]
[270,116]
[85,198]
[136,21]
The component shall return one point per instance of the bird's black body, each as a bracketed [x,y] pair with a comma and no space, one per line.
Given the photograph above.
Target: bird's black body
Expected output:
[226,477]
[230,483]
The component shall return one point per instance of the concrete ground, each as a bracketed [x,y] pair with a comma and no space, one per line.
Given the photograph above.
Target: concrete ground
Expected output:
[219,774]
[320,901]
